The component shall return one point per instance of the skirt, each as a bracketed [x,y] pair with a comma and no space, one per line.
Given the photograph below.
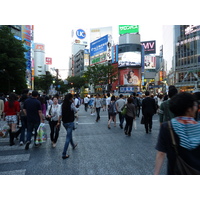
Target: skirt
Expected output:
[11,119]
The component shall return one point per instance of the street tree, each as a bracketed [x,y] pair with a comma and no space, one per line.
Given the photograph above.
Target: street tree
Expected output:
[12,62]
[100,75]
[76,82]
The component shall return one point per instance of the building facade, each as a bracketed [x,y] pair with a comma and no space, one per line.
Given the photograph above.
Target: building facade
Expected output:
[187,57]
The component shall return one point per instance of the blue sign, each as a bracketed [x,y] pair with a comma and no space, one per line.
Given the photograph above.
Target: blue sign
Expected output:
[99,46]
[80,34]
[17,37]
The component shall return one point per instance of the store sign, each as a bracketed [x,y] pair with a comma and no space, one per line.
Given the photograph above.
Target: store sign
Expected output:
[80,34]
[188,40]
[48,61]
[149,47]
[39,47]
[123,29]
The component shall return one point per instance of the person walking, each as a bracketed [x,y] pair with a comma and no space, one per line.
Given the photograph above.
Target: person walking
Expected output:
[186,133]
[1,108]
[108,99]
[148,110]
[130,116]
[119,105]
[91,104]
[104,103]
[86,100]
[98,105]
[11,114]
[67,115]
[112,111]
[33,111]
[53,113]
[164,112]
[23,119]
[136,103]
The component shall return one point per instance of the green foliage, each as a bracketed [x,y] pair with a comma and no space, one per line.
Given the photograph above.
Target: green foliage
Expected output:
[99,75]
[77,82]
[12,62]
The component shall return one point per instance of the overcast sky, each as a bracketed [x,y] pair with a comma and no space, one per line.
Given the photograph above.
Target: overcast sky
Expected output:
[57,39]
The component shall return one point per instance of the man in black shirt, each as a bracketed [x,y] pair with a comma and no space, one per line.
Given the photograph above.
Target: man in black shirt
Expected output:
[32,108]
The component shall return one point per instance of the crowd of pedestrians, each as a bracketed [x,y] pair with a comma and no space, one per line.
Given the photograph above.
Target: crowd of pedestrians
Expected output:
[180,109]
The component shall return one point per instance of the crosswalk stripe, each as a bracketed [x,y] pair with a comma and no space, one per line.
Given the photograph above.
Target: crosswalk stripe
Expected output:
[14,172]
[14,158]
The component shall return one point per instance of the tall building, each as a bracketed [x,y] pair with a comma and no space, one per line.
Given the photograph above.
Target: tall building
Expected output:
[187,57]
[39,59]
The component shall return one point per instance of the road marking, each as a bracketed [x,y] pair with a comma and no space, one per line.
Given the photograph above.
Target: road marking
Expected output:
[14,172]
[14,158]
[86,123]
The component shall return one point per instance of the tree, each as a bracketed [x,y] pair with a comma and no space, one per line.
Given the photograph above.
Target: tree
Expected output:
[100,75]
[76,82]
[12,62]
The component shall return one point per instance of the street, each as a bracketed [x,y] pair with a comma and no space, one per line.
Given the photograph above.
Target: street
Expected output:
[100,151]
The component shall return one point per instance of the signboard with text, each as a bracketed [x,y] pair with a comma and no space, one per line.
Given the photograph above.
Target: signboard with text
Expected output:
[123,29]
[149,47]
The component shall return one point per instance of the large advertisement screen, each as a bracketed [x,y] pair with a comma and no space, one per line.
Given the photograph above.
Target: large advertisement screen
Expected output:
[149,62]
[129,59]
[123,29]
[149,47]
[129,77]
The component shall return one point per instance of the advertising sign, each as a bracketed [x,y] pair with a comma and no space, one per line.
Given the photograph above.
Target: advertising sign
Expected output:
[123,29]
[149,62]
[80,33]
[99,46]
[48,61]
[149,47]
[129,59]
[129,77]
[96,33]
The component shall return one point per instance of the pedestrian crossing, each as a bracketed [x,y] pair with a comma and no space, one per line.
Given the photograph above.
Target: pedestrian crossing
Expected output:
[11,155]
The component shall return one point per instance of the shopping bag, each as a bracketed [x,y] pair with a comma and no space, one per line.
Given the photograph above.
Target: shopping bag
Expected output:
[4,129]
[124,110]
[142,120]
[134,124]
[41,134]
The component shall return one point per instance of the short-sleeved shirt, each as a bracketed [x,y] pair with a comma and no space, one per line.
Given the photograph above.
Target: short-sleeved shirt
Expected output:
[164,144]
[32,106]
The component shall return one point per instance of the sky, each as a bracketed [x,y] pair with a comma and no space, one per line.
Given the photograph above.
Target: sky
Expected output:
[57,40]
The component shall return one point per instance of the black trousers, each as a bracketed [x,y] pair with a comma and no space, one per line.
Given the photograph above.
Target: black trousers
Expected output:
[86,107]
[148,122]
[129,124]
[54,131]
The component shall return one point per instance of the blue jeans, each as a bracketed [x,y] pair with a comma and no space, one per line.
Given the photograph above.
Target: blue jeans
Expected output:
[98,113]
[69,127]
[30,127]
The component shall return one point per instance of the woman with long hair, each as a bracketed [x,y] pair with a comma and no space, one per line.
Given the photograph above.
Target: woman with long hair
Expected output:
[112,111]
[67,114]
[11,113]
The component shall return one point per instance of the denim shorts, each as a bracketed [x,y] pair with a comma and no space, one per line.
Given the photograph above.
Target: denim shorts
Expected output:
[11,119]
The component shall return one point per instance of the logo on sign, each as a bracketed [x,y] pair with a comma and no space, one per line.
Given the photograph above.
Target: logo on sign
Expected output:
[80,34]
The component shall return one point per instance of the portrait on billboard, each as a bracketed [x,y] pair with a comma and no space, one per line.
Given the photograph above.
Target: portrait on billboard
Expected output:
[129,59]
[129,77]
[149,62]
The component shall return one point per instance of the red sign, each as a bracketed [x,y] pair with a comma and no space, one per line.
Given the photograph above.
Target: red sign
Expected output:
[48,61]
[39,46]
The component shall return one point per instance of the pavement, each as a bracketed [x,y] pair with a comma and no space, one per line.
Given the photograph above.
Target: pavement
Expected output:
[100,151]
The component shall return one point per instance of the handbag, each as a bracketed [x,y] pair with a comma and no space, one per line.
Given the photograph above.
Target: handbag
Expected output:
[124,110]
[142,120]
[49,118]
[181,167]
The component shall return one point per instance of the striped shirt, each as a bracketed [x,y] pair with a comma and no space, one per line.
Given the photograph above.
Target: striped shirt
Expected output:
[188,131]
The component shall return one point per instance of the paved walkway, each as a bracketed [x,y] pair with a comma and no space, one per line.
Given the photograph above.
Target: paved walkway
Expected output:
[100,151]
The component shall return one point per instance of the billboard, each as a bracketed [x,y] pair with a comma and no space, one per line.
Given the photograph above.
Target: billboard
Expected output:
[149,62]
[79,36]
[129,59]
[129,77]
[96,33]
[48,61]
[149,47]
[123,29]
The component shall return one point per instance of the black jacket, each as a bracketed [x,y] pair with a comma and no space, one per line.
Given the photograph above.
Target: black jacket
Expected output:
[148,106]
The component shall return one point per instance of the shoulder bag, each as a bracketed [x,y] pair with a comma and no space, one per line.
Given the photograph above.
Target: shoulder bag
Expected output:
[49,118]
[124,110]
[181,167]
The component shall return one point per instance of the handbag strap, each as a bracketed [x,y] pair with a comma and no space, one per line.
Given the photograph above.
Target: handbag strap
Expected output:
[173,138]
[50,110]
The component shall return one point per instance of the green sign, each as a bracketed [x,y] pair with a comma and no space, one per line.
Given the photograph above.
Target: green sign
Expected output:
[123,29]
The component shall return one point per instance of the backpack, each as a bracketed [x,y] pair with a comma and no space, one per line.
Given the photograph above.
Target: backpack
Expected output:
[112,109]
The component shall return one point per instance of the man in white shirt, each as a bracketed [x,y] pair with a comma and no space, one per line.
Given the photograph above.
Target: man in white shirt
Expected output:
[86,100]
[108,99]
[119,105]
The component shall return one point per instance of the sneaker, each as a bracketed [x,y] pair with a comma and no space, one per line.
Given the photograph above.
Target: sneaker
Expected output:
[21,143]
[54,145]
[27,146]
